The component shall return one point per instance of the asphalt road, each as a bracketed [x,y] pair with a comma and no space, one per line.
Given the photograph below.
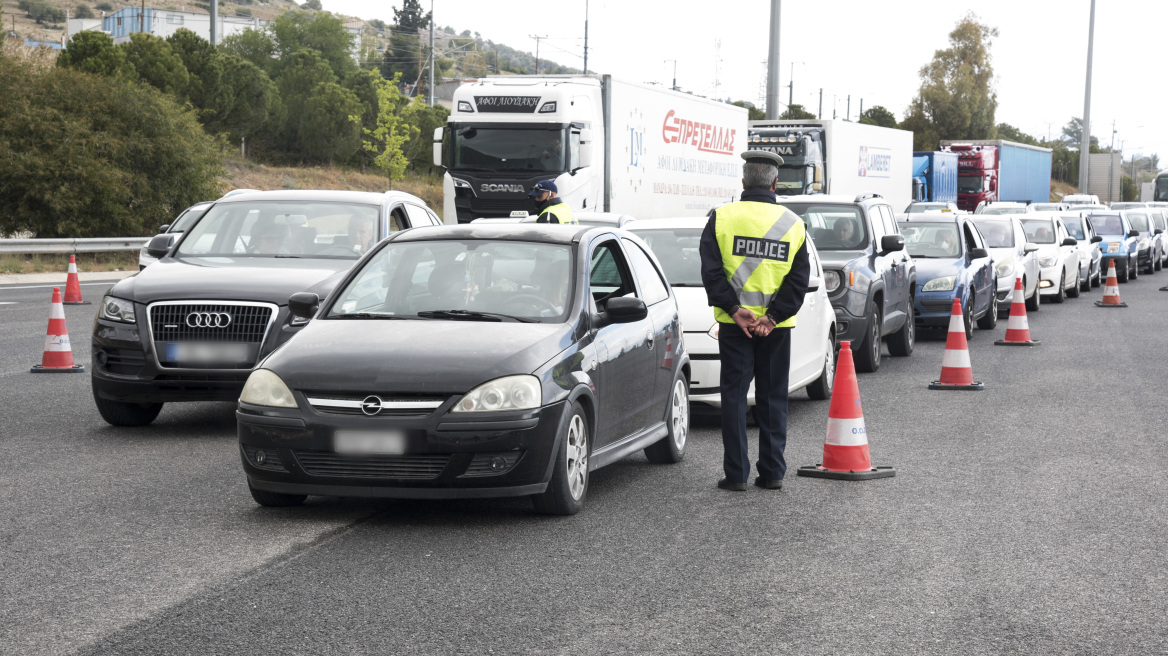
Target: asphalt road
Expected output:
[1026,518]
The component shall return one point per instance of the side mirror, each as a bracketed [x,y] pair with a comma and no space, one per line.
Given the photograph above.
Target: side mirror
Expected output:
[163,228]
[585,155]
[159,246]
[1070,241]
[303,304]
[1133,233]
[625,309]
[438,146]
[1030,248]
[978,253]
[891,243]
[814,282]
[1096,239]
[1157,231]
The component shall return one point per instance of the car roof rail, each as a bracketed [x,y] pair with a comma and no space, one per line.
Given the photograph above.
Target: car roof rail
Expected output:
[865,195]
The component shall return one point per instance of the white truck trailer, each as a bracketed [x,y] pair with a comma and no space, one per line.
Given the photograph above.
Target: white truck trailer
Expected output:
[839,157]
[609,145]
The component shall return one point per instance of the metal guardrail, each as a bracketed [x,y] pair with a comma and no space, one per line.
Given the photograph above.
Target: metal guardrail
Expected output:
[79,245]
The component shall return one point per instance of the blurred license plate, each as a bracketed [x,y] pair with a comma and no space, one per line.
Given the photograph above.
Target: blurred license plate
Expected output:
[364,442]
[207,352]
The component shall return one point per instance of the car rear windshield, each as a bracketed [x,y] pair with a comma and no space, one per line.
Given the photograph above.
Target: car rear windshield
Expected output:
[474,280]
[931,239]
[1139,220]
[284,229]
[991,211]
[1107,225]
[1074,227]
[832,227]
[1038,231]
[998,233]
[677,251]
[921,208]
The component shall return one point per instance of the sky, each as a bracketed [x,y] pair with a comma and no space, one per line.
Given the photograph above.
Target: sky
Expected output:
[871,50]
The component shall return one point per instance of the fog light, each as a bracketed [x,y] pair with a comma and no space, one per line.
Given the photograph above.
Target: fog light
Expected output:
[101,357]
[1045,283]
[498,463]
[260,457]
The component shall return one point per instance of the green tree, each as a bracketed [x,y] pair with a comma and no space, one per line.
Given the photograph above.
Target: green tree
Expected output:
[82,11]
[878,115]
[1011,133]
[248,99]
[204,68]
[312,4]
[256,46]
[94,52]
[330,128]
[753,113]
[322,32]
[1072,135]
[41,11]
[304,71]
[1129,189]
[956,96]
[387,140]
[104,6]
[924,131]
[410,17]
[92,156]
[157,64]
[796,111]
[419,149]
[402,57]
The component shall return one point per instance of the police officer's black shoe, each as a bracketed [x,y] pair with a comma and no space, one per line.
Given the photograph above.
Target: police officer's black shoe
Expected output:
[769,483]
[727,484]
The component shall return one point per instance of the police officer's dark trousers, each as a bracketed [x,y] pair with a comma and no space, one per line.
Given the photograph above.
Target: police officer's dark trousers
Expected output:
[768,359]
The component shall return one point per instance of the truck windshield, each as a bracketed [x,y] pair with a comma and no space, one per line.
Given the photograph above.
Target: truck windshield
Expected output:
[1162,188]
[833,227]
[969,184]
[792,178]
[509,149]
[998,233]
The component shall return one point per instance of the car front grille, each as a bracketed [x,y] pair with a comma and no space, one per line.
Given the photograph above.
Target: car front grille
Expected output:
[392,405]
[248,323]
[937,306]
[405,467]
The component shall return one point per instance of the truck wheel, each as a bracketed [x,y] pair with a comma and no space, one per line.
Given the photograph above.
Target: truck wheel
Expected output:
[868,355]
[989,320]
[900,343]
[116,413]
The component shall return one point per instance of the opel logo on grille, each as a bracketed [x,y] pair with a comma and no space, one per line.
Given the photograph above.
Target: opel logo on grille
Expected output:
[208,319]
[371,405]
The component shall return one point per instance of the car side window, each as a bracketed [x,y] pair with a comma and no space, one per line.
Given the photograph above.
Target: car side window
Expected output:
[877,224]
[418,215]
[433,217]
[397,219]
[608,274]
[889,220]
[653,288]
[972,238]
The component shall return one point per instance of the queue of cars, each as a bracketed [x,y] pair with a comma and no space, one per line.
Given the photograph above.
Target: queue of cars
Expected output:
[312,309]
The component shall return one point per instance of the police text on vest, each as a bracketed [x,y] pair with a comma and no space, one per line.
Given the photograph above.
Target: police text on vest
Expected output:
[770,249]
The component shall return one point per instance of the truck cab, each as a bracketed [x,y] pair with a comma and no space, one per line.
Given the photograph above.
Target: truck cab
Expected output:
[977,174]
[802,152]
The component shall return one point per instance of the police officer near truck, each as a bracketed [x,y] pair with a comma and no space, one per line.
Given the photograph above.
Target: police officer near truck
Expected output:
[755,270]
[551,208]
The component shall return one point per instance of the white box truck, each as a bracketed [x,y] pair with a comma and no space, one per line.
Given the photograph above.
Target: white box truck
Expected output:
[838,157]
[609,145]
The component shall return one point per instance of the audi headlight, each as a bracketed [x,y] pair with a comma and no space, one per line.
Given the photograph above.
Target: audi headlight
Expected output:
[1005,268]
[116,309]
[943,284]
[1048,261]
[831,279]
[1113,247]
[522,392]
[264,387]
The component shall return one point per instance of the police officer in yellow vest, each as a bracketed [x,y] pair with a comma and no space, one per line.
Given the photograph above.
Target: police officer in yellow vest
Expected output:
[755,270]
[550,208]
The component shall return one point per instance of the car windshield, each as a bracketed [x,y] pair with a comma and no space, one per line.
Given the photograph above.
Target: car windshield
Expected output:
[1046,207]
[1107,225]
[677,251]
[187,219]
[994,211]
[1139,220]
[931,239]
[832,227]
[998,233]
[1158,219]
[473,280]
[921,208]
[284,229]
[969,184]
[532,150]
[1038,231]
[1074,227]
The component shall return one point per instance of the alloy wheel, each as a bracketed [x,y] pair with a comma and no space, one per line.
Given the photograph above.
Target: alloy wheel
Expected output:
[680,414]
[576,456]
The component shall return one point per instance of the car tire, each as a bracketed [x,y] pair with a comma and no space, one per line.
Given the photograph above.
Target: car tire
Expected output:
[1133,268]
[868,355]
[566,491]
[1073,290]
[1034,303]
[989,320]
[1122,277]
[901,342]
[1098,279]
[275,499]
[1157,263]
[968,317]
[117,413]
[671,448]
[820,390]
[1085,285]
[1061,294]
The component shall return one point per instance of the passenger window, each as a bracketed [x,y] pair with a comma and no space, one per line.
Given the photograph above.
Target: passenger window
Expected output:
[397,219]
[972,239]
[417,214]
[434,218]
[889,221]
[877,224]
[652,286]
[608,276]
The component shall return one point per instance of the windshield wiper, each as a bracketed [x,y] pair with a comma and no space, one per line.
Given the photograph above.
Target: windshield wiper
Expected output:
[686,284]
[363,315]
[286,255]
[470,315]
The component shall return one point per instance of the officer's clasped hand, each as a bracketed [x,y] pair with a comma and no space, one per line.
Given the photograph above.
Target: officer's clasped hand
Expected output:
[745,320]
[763,326]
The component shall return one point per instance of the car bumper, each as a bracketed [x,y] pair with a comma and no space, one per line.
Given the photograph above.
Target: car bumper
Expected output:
[706,371]
[1005,290]
[444,458]
[1048,280]
[933,308]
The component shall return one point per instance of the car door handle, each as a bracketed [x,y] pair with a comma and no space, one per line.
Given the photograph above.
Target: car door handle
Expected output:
[649,339]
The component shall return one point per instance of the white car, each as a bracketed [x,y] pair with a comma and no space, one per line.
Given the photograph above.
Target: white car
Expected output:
[1013,258]
[1079,226]
[1058,255]
[923,207]
[180,224]
[675,243]
[1081,199]
[1160,221]
[1002,207]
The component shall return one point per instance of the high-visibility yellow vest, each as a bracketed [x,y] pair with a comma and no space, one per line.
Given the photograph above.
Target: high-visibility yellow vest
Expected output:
[561,212]
[758,242]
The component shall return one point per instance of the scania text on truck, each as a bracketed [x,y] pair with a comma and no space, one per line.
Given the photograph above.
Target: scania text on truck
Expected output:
[838,157]
[994,169]
[609,145]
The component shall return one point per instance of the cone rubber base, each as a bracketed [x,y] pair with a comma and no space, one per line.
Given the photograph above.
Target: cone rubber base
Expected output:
[75,369]
[1002,342]
[938,385]
[1102,304]
[817,471]
[1164,288]
[76,303]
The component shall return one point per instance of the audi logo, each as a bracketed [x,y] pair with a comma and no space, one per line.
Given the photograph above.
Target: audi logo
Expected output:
[208,319]
[371,405]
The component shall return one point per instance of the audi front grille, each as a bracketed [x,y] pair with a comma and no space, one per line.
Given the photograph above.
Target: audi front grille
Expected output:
[209,322]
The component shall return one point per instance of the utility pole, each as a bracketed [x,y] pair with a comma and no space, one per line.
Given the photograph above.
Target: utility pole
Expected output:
[791,85]
[142,18]
[431,52]
[861,114]
[834,106]
[820,115]
[214,4]
[1085,138]
[674,87]
[537,39]
[1111,168]
[849,116]
[773,88]
[586,37]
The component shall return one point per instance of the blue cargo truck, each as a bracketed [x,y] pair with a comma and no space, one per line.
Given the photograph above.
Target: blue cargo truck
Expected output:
[935,176]
[994,169]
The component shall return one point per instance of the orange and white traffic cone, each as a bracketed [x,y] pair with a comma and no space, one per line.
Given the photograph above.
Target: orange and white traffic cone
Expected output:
[1111,289]
[845,448]
[956,372]
[73,285]
[58,356]
[1018,328]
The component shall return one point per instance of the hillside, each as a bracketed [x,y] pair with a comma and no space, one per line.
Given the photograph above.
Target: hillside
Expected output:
[244,174]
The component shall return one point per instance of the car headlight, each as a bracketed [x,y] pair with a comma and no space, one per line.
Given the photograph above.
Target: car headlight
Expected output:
[522,392]
[1005,268]
[831,279]
[943,284]
[116,309]
[713,331]
[1113,247]
[1143,244]
[1048,261]
[264,387]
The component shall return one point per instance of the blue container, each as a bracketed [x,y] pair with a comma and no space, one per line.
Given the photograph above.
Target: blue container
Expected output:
[937,171]
[1023,172]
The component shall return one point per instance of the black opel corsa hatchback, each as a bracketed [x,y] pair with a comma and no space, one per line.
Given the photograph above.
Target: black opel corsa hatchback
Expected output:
[472,361]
